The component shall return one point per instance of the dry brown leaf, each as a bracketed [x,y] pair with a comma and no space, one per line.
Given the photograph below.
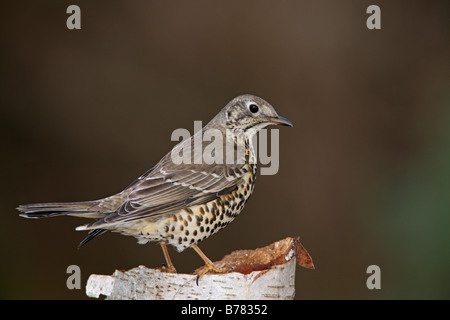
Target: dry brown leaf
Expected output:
[277,253]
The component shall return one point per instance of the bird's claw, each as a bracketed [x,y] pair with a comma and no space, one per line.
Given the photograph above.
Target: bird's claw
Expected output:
[211,268]
[166,269]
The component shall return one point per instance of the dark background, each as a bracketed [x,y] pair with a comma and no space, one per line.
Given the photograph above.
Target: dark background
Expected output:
[364,175]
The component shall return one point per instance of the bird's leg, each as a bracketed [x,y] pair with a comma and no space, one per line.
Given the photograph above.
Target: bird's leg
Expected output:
[209,265]
[169,268]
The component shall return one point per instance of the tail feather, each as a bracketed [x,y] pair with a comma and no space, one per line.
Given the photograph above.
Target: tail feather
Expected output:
[87,209]
[46,210]
[91,235]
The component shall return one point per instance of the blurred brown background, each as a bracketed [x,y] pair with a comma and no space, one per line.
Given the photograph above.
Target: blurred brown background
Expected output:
[364,175]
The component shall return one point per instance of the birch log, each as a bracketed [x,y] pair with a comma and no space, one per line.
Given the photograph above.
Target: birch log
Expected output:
[263,273]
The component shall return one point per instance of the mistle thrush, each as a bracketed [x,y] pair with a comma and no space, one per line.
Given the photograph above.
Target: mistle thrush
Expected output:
[181,204]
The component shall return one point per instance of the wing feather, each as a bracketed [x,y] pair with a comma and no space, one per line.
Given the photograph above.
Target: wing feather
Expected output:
[168,188]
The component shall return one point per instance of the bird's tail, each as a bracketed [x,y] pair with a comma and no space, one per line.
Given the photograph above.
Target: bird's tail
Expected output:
[44,210]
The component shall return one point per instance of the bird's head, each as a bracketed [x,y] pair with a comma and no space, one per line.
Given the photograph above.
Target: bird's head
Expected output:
[250,114]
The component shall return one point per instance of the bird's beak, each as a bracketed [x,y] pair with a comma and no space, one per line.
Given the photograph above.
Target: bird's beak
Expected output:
[281,121]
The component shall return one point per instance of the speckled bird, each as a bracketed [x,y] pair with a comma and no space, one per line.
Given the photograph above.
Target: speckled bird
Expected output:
[177,203]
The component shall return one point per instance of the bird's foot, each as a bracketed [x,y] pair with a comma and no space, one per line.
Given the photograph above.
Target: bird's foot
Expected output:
[211,268]
[170,269]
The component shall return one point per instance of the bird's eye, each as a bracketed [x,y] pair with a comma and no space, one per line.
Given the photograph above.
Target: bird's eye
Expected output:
[253,108]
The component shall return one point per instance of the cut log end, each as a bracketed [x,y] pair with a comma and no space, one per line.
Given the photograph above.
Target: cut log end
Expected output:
[263,273]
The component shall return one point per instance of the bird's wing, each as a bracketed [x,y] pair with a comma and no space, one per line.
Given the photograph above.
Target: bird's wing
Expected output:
[168,188]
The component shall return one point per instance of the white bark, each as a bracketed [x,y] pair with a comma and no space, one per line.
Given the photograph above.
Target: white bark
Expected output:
[265,273]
